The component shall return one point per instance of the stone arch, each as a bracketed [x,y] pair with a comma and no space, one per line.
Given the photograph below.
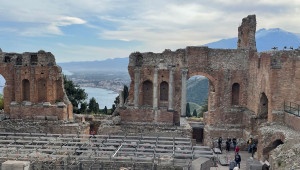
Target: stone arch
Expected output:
[212,81]
[270,147]
[235,94]
[263,106]
[25,90]
[42,90]
[147,93]
[164,91]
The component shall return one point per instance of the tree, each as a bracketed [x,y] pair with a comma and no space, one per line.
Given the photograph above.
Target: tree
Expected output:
[1,102]
[188,112]
[125,92]
[75,94]
[113,108]
[195,113]
[93,106]
[83,107]
[105,110]
[204,108]
[117,100]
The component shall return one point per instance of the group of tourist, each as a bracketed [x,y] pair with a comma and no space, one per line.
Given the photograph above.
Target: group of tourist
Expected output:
[251,148]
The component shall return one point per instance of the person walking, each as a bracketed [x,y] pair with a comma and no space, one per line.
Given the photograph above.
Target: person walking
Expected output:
[238,159]
[220,143]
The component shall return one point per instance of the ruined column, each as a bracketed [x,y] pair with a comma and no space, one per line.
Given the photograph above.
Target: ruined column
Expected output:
[183,91]
[136,86]
[171,85]
[155,100]
[121,96]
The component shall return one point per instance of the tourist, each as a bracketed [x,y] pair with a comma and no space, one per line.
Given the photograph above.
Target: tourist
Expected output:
[249,142]
[228,141]
[236,149]
[254,148]
[234,142]
[220,143]
[237,159]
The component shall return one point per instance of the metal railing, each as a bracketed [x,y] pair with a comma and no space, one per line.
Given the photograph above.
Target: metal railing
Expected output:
[292,108]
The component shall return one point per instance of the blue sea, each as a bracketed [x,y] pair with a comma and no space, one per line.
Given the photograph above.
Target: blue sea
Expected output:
[103,97]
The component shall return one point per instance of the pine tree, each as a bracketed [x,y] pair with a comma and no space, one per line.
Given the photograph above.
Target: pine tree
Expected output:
[195,113]
[105,110]
[93,105]
[188,112]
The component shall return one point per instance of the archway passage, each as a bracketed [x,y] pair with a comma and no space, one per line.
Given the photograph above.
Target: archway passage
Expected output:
[26,90]
[147,93]
[235,94]
[268,149]
[42,90]
[263,106]
[197,95]
[2,89]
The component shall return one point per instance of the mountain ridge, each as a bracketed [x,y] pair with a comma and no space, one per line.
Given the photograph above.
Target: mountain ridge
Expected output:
[265,40]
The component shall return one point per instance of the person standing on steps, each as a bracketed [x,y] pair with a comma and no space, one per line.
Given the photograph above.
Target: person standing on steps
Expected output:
[228,141]
[254,148]
[238,159]
[234,142]
[249,142]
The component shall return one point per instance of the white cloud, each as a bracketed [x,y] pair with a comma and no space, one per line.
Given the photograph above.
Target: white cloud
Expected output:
[156,24]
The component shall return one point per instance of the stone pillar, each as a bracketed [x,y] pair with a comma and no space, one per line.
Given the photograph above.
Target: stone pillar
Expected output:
[136,86]
[183,91]
[155,99]
[121,96]
[171,85]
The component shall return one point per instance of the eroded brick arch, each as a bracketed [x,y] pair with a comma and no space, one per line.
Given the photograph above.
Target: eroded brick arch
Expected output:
[24,74]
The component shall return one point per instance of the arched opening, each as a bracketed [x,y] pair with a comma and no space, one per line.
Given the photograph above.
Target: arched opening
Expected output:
[147,93]
[235,94]
[2,93]
[26,90]
[197,96]
[42,90]
[164,91]
[268,149]
[263,106]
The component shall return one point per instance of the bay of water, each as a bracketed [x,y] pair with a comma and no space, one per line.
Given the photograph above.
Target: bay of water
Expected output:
[103,97]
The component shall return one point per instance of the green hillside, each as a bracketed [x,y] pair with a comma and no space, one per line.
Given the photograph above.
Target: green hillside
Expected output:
[197,90]
[194,106]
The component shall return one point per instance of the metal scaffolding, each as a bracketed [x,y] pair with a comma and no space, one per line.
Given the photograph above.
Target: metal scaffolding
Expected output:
[72,151]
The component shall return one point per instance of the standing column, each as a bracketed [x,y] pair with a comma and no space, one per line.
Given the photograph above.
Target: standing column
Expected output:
[171,85]
[155,100]
[136,86]
[183,91]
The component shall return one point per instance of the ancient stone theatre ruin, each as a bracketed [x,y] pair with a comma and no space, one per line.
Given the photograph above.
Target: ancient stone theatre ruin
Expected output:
[246,87]
[34,86]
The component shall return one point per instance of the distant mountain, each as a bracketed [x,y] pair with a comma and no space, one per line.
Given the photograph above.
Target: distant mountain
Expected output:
[265,40]
[197,90]
[109,65]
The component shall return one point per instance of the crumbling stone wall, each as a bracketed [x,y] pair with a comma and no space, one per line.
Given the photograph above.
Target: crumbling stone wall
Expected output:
[34,86]
[265,80]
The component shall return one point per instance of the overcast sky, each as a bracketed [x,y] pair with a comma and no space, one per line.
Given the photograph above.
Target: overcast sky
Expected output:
[82,30]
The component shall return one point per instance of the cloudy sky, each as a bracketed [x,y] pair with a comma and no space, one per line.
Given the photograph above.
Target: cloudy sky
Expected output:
[82,30]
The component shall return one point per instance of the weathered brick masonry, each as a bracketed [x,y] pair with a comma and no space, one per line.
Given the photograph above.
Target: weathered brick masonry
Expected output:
[246,88]
[34,86]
